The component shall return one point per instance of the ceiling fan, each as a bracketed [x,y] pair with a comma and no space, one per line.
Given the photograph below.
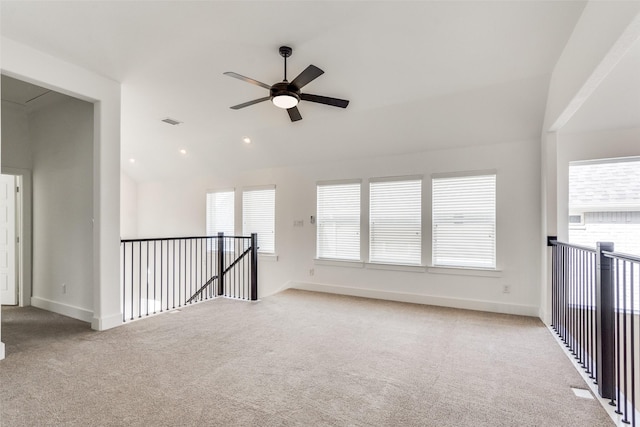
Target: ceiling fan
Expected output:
[287,95]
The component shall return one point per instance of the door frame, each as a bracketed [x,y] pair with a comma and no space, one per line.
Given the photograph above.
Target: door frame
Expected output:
[23,233]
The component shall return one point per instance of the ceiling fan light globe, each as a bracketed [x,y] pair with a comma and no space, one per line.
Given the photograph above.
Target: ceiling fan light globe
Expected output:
[285,101]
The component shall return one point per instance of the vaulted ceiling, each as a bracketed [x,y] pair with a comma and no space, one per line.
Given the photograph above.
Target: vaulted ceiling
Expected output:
[420,75]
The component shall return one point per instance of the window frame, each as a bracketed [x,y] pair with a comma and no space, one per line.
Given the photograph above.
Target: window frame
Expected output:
[270,249]
[435,262]
[394,259]
[213,231]
[319,222]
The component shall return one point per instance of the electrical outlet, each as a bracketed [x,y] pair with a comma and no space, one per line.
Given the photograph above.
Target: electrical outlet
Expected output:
[64,288]
[312,272]
[506,289]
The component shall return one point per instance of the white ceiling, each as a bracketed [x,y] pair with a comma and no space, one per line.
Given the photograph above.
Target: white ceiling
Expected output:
[420,75]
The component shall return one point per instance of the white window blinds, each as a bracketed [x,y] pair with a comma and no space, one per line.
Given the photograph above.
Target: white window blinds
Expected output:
[220,213]
[258,216]
[338,221]
[464,221]
[395,226]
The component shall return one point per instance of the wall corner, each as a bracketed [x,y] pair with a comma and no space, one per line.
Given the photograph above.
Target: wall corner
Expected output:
[107,322]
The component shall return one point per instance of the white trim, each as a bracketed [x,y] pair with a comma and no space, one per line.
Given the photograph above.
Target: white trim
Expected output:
[258,187]
[104,323]
[64,309]
[603,161]
[464,271]
[23,208]
[220,190]
[338,262]
[483,172]
[339,182]
[2,350]
[397,178]
[467,304]
[396,267]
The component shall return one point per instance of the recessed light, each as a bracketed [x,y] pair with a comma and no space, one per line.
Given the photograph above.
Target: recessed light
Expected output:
[183,151]
[246,140]
[132,160]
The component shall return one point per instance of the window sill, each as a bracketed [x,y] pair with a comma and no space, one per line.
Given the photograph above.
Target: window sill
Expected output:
[396,267]
[464,271]
[369,265]
[338,263]
[267,257]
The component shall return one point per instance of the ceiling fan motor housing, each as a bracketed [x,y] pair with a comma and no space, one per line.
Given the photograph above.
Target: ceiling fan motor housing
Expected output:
[285,88]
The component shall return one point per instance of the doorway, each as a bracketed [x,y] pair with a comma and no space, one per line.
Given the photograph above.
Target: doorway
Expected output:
[8,241]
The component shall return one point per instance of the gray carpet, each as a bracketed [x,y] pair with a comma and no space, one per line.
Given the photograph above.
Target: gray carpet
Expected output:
[294,359]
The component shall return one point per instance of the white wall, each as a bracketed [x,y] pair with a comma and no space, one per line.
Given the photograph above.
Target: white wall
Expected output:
[62,139]
[128,207]
[17,160]
[16,148]
[518,214]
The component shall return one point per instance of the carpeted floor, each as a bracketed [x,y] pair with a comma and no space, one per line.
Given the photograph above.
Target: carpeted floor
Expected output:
[294,359]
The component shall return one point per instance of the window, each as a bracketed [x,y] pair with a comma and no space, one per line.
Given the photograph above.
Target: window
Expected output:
[395,225]
[605,194]
[220,213]
[258,216]
[338,221]
[464,221]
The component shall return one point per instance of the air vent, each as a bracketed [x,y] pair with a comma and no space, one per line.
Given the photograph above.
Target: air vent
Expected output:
[171,121]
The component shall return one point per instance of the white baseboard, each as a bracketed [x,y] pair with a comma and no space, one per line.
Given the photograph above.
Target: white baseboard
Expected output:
[106,322]
[64,309]
[1,350]
[467,304]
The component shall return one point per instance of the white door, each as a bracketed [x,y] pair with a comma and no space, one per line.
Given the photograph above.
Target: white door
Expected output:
[8,293]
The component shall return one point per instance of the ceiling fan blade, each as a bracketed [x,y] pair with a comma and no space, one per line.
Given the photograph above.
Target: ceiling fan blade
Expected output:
[247,79]
[335,102]
[309,74]
[294,114]
[246,104]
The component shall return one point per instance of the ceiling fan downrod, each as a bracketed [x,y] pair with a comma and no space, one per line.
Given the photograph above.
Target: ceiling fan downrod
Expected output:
[285,52]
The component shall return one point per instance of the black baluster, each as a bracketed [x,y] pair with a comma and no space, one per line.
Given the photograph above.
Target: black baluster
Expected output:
[124,281]
[632,345]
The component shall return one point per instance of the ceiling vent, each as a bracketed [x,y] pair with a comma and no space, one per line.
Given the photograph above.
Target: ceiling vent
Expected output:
[171,121]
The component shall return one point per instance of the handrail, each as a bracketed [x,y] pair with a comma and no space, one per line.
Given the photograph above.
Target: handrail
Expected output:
[151,239]
[621,255]
[608,254]
[572,245]
[199,291]
[242,255]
